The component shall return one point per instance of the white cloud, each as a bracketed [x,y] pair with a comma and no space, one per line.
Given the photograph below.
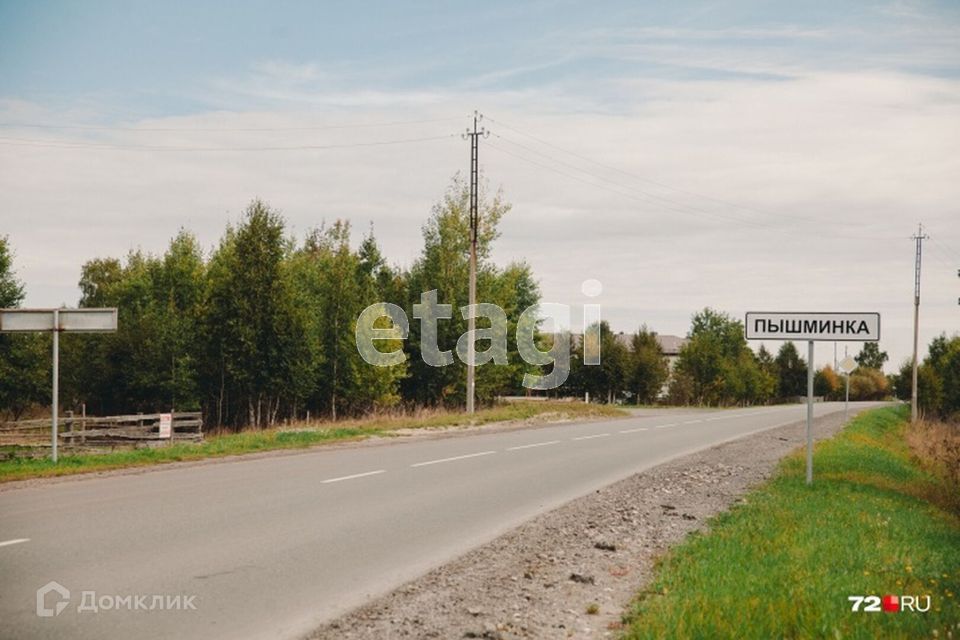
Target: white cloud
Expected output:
[831,172]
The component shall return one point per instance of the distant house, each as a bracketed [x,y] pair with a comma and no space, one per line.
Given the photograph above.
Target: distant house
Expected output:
[669,345]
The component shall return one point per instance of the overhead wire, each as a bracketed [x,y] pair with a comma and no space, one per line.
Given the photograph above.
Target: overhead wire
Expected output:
[627,194]
[634,176]
[63,144]
[79,127]
[673,204]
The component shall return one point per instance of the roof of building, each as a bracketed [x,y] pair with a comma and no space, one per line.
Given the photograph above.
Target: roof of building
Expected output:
[669,345]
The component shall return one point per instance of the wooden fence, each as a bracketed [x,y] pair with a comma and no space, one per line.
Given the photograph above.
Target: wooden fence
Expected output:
[90,432]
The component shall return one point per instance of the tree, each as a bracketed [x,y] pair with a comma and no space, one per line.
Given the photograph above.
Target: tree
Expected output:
[870,356]
[24,358]
[11,289]
[709,359]
[938,378]
[443,266]
[152,362]
[256,355]
[791,371]
[647,368]
[606,381]
[903,380]
[826,383]
[868,384]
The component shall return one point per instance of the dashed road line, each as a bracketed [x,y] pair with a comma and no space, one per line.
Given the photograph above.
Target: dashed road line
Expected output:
[665,426]
[591,437]
[355,475]
[464,457]
[531,446]
[693,421]
[634,430]
[6,543]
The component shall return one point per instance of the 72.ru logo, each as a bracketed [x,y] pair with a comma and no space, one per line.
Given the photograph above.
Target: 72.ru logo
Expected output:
[889,603]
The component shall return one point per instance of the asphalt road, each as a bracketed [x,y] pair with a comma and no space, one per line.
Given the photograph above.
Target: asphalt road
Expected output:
[270,547]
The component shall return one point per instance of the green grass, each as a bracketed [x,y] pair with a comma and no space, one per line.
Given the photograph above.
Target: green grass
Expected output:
[782,563]
[297,437]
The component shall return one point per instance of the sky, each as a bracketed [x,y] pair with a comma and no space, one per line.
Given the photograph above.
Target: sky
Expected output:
[741,155]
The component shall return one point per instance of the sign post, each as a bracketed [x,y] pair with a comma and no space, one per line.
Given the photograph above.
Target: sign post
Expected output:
[812,327]
[57,321]
[847,365]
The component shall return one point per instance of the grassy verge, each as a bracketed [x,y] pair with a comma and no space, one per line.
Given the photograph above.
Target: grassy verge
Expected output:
[294,437]
[878,520]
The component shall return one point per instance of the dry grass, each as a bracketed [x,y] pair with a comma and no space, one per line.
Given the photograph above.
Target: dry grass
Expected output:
[937,446]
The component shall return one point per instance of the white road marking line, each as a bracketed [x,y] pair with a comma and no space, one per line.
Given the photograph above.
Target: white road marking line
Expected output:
[692,421]
[14,541]
[634,430]
[664,426]
[530,446]
[356,475]
[469,455]
[596,435]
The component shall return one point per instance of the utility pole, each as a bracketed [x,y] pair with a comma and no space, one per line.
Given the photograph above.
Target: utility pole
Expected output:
[474,226]
[919,238]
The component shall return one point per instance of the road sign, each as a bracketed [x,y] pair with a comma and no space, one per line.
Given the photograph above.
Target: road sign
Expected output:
[812,327]
[166,425]
[859,327]
[72,320]
[57,321]
[848,364]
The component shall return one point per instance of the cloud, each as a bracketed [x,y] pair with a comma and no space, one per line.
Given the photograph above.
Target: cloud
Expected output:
[681,192]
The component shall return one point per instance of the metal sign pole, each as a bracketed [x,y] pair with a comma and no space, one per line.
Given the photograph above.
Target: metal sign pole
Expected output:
[810,412]
[846,399]
[56,320]
[56,382]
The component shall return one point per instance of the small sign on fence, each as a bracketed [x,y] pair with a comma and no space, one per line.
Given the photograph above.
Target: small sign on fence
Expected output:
[166,425]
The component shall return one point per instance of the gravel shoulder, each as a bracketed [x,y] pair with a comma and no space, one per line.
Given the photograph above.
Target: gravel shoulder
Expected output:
[540,579]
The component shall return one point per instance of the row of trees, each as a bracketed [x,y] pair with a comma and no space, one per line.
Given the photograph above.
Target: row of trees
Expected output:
[938,379]
[631,368]
[717,367]
[262,329]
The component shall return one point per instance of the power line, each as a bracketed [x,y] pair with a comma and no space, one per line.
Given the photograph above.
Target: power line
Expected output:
[949,252]
[64,144]
[634,176]
[625,194]
[645,194]
[77,127]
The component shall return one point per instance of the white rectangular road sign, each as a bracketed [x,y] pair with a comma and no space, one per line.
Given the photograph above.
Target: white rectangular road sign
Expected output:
[72,320]
[776,325]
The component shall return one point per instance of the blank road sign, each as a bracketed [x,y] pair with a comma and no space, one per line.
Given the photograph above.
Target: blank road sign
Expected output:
[26,320]
[841,326]
[88,320]
[72,320]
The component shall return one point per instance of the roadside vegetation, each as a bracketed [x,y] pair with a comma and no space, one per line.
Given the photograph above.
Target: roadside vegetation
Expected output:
[882,517]
[298,436]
